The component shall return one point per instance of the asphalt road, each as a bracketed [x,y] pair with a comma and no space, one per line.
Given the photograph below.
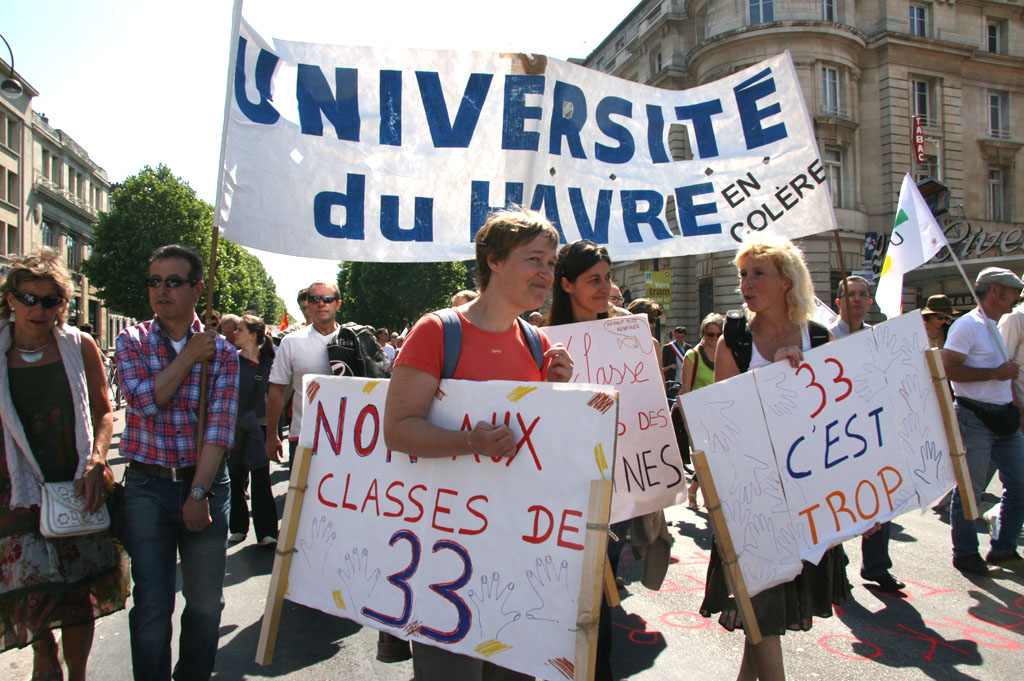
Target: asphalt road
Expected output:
[946,627]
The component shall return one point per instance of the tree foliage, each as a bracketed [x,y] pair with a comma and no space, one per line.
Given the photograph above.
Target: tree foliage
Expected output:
[154,208]
[395,295]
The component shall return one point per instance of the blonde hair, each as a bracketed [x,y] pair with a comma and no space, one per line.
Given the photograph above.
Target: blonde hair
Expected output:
[789,262]
[42,266]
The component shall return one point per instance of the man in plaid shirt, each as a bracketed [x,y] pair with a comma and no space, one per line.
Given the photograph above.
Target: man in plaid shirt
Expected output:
[176,502]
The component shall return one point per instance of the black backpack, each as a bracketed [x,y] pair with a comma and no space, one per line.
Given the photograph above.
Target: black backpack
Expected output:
[354,352]
[740,342]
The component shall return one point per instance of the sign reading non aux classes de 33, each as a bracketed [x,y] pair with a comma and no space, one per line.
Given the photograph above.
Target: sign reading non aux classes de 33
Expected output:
[487,558]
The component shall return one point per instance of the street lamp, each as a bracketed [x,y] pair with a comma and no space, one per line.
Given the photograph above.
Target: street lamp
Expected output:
[11,88]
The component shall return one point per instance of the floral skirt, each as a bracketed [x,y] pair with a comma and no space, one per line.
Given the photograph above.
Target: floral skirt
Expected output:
[46,584]
[787,607]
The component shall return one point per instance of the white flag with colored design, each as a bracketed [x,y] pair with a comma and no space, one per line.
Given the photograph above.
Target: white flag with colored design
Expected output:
[916,238]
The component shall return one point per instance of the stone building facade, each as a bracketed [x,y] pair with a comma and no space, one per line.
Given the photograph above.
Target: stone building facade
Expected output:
[52,193]
[866,69]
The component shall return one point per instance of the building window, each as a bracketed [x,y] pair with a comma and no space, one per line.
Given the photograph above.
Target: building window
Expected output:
[657,63]
[13,242]
[828,10]
[919,89]
[993,37]
[762,11]
[12,138]
[706,296]
[830,91]
[13,194]
[49,235]
[834,173]
[929,167]
[56,173]
[996,195]
[998,114]
[918,20]
[71,252]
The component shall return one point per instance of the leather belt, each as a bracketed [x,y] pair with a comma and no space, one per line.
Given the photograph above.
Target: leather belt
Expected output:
[174,474]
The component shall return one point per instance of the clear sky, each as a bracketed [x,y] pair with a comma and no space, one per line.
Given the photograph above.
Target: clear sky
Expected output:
[139,82]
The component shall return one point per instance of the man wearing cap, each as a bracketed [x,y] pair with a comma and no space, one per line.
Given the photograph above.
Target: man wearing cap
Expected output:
[982,374]
[937,313]
[853,304]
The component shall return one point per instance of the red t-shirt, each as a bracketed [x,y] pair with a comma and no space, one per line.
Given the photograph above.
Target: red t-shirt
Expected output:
[485,356]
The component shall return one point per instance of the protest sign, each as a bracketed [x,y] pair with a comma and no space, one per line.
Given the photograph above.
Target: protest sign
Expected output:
[335,151]
[805,458]
[621,353]
[496,559]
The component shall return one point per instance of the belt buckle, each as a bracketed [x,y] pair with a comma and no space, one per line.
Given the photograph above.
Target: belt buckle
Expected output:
[175,474]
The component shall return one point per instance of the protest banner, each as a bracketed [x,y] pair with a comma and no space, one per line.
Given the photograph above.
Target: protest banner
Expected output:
[620,352]
[804,459]
[499,559]
[334,151]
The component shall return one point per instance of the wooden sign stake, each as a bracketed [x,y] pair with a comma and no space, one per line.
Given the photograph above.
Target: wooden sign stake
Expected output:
[283,557]
[957,451]
[730,561]
[595,547]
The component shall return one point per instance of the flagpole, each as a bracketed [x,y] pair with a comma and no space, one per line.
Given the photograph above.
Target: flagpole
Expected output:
[842,271]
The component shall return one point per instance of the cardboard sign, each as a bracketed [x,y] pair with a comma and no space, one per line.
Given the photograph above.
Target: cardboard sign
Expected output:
[620,353]
[806,458]
[483,557]
[334,151]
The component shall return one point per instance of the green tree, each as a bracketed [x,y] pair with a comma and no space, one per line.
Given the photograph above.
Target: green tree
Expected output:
[395,295]
[154,208]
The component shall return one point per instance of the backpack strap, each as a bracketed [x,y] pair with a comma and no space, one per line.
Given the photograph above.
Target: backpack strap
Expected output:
[738,338]
[532,340]
[452,340]
[818,333]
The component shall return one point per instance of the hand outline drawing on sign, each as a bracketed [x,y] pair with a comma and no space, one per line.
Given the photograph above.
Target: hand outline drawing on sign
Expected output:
[912,392]
[870,381]
[720,441]
[930,471]
[490,602]
[786,543]
[358,577]
[550,584]
[757,528]
[785,405]
[316,548]
[747,486]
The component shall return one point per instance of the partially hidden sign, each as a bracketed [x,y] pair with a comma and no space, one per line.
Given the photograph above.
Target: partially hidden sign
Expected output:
[806,458]
[620,352]
[484,557]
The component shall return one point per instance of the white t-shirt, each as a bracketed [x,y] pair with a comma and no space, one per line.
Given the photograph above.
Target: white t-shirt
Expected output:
[303,352]
[1011,326]
[389,354]
[972,335]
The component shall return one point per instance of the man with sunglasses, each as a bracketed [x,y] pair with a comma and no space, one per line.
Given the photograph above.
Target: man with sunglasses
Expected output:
[303,352]
[176,498]
[853,302]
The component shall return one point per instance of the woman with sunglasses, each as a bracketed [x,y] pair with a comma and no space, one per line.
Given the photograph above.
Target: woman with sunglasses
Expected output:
[248,464]
[699,371]
[57,425]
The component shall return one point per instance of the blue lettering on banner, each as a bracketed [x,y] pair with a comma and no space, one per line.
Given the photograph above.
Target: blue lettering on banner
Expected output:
[703,130]
[352,201]
[262,111]
[688,211]
[598,230]
[443,131]
[423,220]
[480,203]
[656,134]
[314,97]
[747,93]
[513,132]
[632,218]
[569,126]
[391,108]
[544,201]
[623,153]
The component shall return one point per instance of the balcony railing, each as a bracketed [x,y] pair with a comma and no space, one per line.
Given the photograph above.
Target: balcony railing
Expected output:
[999,133]
[835,112]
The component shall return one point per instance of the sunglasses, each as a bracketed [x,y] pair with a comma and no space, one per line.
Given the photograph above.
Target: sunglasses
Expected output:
[711,334]
[173,281]
[31,300]
[316,300]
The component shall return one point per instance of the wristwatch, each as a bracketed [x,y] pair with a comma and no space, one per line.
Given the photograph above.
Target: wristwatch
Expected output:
[198,493]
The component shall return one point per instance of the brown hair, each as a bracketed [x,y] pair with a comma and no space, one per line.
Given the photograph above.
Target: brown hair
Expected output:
[42,266]
[258,328]
[504,231]
[573,260]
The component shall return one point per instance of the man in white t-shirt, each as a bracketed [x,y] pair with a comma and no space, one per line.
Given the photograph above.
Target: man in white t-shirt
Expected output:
[303,352]
[982,374]
[383,340]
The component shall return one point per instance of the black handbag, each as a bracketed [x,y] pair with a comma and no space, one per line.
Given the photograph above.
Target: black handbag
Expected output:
[115,506]
[1002,421]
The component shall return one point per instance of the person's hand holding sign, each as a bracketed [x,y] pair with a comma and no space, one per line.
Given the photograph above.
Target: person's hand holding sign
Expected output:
[487,439]
[560,367]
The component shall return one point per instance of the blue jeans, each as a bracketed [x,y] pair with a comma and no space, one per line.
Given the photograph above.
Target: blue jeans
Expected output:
[155,536]
[1007,455]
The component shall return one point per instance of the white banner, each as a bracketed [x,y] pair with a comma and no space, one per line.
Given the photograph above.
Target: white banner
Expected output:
[480,556]
[804,459]
[371,154]
[621,353]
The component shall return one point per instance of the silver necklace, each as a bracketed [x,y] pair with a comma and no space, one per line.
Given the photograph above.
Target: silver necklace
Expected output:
[32,356]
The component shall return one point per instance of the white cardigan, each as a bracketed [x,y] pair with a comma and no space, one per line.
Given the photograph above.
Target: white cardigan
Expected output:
[26,476]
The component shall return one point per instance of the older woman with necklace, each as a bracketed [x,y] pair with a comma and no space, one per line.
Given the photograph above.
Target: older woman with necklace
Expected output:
[57,425]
